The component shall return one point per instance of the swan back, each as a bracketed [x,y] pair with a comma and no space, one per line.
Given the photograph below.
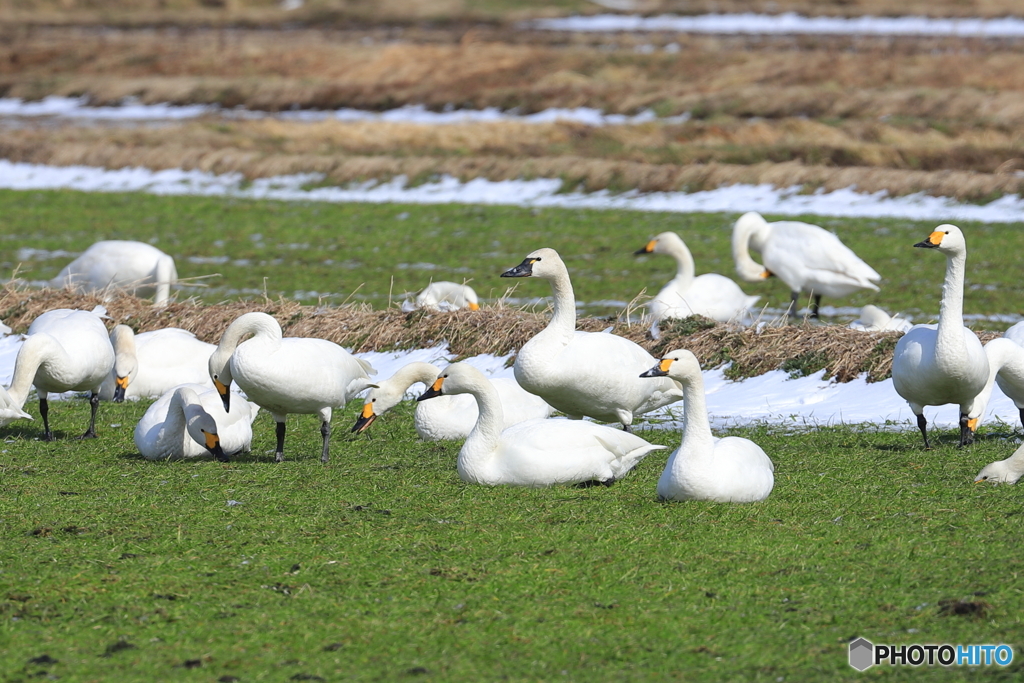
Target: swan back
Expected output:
[120,264]
[148,365]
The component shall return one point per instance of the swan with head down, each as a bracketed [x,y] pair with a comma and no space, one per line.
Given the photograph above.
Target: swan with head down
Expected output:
[135,267]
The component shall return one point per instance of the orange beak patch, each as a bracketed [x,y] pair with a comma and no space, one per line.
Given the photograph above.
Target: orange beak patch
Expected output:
[436,386]
[122,381]
[936,238]
[766,274]
[368,410]
[664,364]
[973,424]
[211,440]
[650,246]
[473,306]
[221,389]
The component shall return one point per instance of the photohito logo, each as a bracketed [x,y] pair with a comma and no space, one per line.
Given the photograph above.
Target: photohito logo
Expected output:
[864,654]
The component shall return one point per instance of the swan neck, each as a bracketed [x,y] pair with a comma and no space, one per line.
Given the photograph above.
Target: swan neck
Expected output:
[483,439]
[685,267]
[564,317]
[37,349]
[951,308]
[412,373]
[748,269]
[697,439]
[259,325]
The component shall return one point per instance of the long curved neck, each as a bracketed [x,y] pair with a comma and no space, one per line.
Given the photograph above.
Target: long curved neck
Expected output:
[175,423]
[685,268]
[259,325]
[1015,463]
[748,269]
[412,373]
[37,350]
[563,320]
[951,309]
[483,440]
[698,442]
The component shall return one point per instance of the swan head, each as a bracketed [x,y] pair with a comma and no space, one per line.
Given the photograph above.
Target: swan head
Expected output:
[948,239]
[543,263]
[998,472]
[380,400]
[660,244]
[679,365]
[220,372]
[126,363]
[457,378]
[201,426]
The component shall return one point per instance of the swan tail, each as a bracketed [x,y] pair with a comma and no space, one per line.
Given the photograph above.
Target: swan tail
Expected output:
[368,369]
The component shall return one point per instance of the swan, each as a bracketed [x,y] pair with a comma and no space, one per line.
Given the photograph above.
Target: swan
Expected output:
[1007,471]
[805,257]
[1016,333]
[136,267]
[537,452]
[1005,368]
[294,375]
[729,470]
[710,294]
[448,417]
[447,296]
[938,364]
[150,364]
[584,373]
[189,421]
[65,350]
[874,319]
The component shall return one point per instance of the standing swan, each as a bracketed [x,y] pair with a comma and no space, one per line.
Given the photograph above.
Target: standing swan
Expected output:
[584,373]
[807,258]
[181,424]
[447,417]
[293,375]
[729,470]
[536,452]
[150,364]
[65,351]
[938,364]
[136,267]
[710,294]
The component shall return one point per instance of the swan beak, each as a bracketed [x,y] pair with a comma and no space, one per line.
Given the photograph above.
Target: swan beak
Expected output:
[766,274]
[213,445]
[934,240]
[225,395]
[365,420]
[473,306]
[973,424]
[434,390]
[524,269]
[648,249]
[659,370]
[122,386]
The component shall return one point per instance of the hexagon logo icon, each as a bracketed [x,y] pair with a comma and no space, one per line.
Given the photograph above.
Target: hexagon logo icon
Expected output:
[862,654]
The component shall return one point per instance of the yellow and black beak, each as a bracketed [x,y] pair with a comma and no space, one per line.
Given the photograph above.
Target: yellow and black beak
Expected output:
[366,419]
[121,385]
[225,395]
[649,249]
[934,240]
[213,445]
[659,370]
[434,390]
[972,424]
[766,274]
[524,269]
[473,306]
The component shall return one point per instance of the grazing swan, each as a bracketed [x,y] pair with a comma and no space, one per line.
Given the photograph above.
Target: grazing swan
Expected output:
[1007,471]
[1005,368]
[710,294]
[293,375]
[448,417]
[65,350]
[136,267]
[150,364]
[591,374]
[806,257]
[536,452]
[189,421]
[938,364]
[447,296]
[874,319]
[729,470]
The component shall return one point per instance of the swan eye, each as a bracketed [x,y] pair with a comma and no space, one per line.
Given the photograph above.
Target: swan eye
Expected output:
[374,401]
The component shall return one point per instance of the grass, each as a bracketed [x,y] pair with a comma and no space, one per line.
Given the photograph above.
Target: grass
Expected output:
[384,566]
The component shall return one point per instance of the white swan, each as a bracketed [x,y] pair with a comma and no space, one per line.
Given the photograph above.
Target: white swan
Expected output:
[584,373]
[805,257]
[710,294]
[150,364]
[136,267]
[729,470]
[65,350]
[536,452]
[938,364]
[448,417]
[447,296]
[189,421]
[1005,368]
[1007,471]
[874,319]
[1016,333]
[293,375]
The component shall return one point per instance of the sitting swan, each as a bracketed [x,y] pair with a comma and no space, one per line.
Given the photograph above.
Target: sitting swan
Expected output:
[150,364]
[448,417]
[65,350]
[1005,368]
[806,257]
[189,421]
[591,374]
[934,365]
[1007,471]
[446,296]
[729,470]
[711,295]
[874,319]
[536,452]
[293,375]
[135,267]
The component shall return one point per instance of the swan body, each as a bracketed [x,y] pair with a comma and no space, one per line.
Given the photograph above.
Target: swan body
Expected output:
[1005,368]
[584,373]
[938,364]
[711,295]
[189,421]
[537,452]
[729,470]
[150,364]
[1016,333]
[805,257]
[294,375]
[447,296]
[1007,471]
[135,267]
[65,350]
[447,418]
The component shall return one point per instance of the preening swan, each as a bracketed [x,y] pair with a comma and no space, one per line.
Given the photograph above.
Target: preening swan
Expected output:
[1007,471]
[286,375]
[447,296]
[874,319]
[65,350]
[150,364]
[189,421]
[447,417]
[1005,368]
[584,373]
[135,267]
[938,364]
[536,452]
[710,294]
[806,257]
[729,470]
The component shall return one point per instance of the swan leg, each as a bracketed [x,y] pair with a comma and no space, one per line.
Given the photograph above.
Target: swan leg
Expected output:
[815,305]
[1022,417]
[794,299]
[44,410]
[922,424]
[94,404]
[279,456]
[966,433]
[325,432]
